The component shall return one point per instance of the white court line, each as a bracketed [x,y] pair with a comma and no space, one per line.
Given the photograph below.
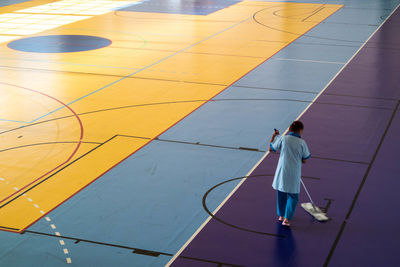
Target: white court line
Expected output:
[266,154]
[309,60]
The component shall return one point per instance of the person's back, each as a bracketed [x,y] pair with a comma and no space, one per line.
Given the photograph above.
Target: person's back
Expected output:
[292,152]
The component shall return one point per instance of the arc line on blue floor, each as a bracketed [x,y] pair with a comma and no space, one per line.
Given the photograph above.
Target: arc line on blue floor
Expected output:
[267,153]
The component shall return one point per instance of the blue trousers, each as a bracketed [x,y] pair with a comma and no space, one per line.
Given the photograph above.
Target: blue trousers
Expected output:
[287,203]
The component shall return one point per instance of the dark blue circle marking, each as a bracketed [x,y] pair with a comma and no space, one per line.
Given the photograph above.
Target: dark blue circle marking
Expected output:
[59,43]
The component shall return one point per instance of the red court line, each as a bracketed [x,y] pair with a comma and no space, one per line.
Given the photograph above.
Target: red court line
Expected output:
[69,158]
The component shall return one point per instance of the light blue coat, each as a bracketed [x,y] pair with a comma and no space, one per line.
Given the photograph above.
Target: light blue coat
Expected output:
[288,172]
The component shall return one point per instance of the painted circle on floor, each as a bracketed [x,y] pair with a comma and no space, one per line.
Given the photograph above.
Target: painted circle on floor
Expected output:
[59,43]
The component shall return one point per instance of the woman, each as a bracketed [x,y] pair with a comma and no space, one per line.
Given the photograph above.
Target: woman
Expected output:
[293,152]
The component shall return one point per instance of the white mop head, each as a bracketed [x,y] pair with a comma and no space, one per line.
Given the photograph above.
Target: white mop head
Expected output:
[315,212]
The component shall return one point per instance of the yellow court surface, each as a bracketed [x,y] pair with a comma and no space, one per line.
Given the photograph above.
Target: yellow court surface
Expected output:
[67,118]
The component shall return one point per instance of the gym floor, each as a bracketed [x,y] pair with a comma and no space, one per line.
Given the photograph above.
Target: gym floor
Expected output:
[135,133]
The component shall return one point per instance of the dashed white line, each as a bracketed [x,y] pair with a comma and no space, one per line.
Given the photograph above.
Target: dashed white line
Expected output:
[62,243]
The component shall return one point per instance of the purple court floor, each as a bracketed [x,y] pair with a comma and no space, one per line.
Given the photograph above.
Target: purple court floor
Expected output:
[352,130]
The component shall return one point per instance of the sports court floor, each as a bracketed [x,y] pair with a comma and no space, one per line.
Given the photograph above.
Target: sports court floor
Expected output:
[134,133]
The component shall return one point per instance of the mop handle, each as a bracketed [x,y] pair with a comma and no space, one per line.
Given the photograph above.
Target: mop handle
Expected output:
[308,194]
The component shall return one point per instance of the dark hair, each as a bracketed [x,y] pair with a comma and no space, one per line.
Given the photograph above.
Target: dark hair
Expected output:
[296,126]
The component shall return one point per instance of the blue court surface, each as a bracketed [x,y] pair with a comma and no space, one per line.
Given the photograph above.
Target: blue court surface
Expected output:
[183,198]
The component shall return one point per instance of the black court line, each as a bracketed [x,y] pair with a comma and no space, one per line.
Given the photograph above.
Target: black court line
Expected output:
[303,35]
[202,100]
[209,145]
[134,250]
[216,54]
[302,101]
[236,226]
[352,24]
[372,161]
[236,148]
[251,149]
[275,89]
[189,143]
[314,44]
[42,181]
[192,101]
[395,48]
[335,244]
[340,160]
[196,53]
[348,23]
[314,13]
[47,143]
[90,73]
[243,148]
[276,13]
[113,75]
[196,82]
[156,79]
[9,228]
[339,235]
[314,93]
[365,8]
[364,97]
[118,13]
[373,25]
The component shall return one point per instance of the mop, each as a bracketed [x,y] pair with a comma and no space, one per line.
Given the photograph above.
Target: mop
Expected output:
[312,209]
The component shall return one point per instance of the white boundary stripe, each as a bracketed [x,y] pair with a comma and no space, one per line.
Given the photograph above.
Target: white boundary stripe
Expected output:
[266,154]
